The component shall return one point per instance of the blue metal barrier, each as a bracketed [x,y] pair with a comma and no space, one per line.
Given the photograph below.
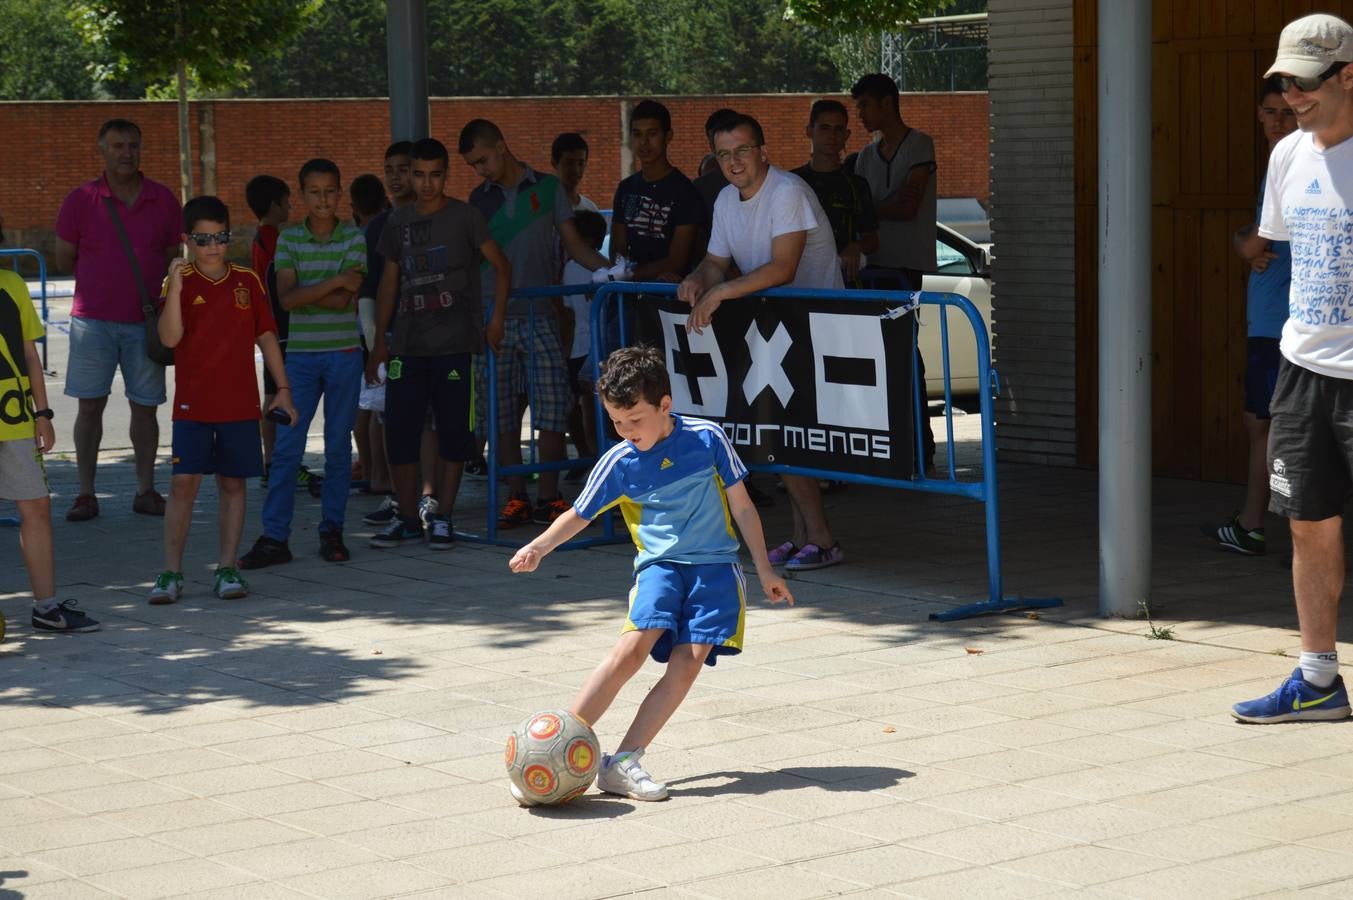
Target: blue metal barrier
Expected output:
[984,491]
[16,255]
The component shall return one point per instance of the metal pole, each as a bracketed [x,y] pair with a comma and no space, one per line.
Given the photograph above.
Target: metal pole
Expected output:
[1124,306]
[406,60]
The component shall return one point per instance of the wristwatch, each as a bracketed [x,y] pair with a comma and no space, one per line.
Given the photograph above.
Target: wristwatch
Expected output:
[42,413]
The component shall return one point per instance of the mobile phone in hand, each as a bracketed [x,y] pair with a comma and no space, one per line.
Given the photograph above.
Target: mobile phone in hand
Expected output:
[278,414]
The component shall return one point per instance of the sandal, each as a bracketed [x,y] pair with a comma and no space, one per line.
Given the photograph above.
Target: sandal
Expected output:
[85,507]
[782,554]
[151,503]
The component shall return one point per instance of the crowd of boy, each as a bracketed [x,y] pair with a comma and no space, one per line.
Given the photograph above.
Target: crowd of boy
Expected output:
[385,321]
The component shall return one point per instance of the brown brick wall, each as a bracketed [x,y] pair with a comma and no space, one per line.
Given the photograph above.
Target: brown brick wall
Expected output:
[51,146]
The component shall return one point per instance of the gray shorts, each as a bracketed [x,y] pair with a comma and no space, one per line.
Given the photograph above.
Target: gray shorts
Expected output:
[22,474]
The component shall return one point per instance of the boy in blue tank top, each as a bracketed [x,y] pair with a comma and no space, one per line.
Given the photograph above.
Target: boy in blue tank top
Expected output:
[677,482]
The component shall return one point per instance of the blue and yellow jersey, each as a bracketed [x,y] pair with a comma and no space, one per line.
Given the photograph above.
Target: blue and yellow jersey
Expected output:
[673,496]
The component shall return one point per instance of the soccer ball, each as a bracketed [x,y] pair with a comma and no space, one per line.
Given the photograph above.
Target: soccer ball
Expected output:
[552,757]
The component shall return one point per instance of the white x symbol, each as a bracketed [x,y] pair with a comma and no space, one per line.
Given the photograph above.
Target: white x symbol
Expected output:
[767,369]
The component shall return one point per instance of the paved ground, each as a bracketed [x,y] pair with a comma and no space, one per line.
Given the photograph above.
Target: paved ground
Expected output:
[339,732]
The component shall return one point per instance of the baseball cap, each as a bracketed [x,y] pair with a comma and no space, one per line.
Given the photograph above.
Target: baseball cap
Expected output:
[1311,44]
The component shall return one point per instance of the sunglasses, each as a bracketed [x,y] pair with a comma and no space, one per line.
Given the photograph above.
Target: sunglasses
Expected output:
[1309,84]
[217,237]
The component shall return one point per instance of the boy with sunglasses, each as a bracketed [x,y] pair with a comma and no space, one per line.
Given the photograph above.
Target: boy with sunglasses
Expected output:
[214,313]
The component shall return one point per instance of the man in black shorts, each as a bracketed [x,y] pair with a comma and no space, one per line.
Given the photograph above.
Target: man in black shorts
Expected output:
[1310,447]
[433,248]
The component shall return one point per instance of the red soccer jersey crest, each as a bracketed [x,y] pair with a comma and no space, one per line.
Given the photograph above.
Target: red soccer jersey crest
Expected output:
[215,379]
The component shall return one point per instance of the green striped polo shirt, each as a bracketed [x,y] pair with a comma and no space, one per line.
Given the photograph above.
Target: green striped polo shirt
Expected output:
[314,259]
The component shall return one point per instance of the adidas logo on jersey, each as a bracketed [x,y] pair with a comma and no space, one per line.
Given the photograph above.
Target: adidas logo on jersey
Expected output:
[1314,186]
[666,463]
[199,300]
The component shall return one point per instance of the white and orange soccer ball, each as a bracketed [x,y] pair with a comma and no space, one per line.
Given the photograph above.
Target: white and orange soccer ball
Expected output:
[552,757]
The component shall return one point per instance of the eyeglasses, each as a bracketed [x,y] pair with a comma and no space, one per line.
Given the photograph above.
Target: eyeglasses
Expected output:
[738,153]
[1307,85]
[202,239]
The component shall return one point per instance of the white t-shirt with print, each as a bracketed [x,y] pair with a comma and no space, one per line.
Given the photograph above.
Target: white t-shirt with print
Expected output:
[1308,201]
[743,229]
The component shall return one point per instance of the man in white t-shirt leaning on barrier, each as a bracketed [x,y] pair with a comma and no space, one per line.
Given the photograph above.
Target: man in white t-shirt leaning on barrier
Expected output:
[1310,449]
[768,222]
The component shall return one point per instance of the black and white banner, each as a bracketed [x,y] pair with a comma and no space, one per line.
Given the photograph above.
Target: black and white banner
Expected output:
[817,383]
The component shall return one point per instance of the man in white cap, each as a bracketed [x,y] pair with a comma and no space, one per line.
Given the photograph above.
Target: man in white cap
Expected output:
[1307,202]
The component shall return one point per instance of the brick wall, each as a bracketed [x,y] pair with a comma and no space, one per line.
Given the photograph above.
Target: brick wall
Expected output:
[52,145]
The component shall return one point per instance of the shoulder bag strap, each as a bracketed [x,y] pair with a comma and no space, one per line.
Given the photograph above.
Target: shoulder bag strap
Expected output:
[147,308]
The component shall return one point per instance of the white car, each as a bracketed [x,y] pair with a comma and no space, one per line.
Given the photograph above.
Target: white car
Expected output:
[964,268]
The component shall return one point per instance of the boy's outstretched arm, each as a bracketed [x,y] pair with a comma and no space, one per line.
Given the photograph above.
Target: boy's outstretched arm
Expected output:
[749,524]
[566,526]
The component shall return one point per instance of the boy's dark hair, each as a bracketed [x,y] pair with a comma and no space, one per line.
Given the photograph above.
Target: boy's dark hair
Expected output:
[1273,84]
[714,120]
[567,143]
[263,192]
[739,120]
[119,125]
[430,150]
[876,85]
[592,226]
[318,167]
[480,131]
[205,209]
[631,374]
[367,194]
[399,148]
[652,109]
[821,107]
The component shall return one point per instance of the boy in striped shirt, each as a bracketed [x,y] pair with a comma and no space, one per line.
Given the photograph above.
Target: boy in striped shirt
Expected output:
[320,263]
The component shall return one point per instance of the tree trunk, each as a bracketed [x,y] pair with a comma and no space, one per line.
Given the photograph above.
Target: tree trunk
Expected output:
[185,138]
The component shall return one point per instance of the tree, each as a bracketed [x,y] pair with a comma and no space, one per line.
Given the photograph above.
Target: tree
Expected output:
[339,52]
[862,15]
[41,57]
[211,40]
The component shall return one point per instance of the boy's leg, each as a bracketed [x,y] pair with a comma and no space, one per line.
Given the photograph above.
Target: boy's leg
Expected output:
[178,515]
[304,376]
[361,435]
[551,397]
[379,476]
[36,545]
[659,704]
[342,380]
[807,499]
[625,659]
[429,464]
[452,402]
[268,428]
[406,398]
[230,518]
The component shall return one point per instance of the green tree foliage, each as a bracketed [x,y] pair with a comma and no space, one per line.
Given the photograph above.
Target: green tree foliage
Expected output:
[862,15]
[41,56]
[339,52]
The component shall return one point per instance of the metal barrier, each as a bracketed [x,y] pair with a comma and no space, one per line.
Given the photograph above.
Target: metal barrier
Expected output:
[984,490]
[17,254]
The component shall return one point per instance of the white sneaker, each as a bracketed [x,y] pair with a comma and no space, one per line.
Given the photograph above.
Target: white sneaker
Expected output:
[168,586]
[628,779]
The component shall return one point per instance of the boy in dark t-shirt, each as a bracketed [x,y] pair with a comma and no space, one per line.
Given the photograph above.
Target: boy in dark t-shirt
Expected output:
[844,196]
[433,250]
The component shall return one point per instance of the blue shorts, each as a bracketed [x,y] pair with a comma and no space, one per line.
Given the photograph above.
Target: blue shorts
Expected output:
[228,449]
[1261,374]
[98,348]
[696,604]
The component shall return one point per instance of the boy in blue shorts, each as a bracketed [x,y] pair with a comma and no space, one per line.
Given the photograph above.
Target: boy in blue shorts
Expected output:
[214,313]
[678,483]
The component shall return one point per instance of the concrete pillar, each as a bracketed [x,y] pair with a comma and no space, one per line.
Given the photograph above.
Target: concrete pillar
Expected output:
[406,59]
[1124,306]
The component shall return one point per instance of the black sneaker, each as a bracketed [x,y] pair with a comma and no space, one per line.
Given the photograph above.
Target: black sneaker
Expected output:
[384,514]
[547,511]
[331,546]
[397,532]
[477,468]
[440,535]
[65,618]
[266,552]
[1234,536]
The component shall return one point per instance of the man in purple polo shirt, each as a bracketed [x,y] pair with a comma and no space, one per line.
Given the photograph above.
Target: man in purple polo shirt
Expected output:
[107,329]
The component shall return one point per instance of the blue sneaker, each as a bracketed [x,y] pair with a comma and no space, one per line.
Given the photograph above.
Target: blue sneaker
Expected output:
[1295,700]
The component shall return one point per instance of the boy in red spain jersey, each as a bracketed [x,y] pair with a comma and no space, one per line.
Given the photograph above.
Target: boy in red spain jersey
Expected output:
[214,313]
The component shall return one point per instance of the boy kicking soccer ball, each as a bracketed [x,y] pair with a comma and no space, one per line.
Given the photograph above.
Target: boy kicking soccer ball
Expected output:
[676,480]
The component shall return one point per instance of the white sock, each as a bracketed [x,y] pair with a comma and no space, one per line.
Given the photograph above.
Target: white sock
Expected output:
[1319,668]
[45,606]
